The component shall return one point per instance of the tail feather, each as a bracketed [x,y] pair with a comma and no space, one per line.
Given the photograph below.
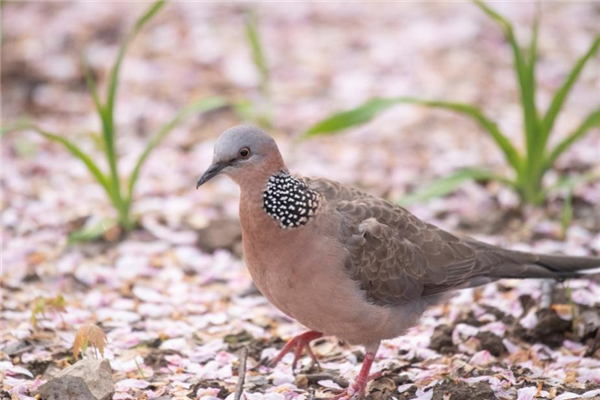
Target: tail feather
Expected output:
[534,265]
[560,263]
[521,265]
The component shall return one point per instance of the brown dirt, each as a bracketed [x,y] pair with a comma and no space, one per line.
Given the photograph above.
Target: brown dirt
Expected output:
[441,340]
[550,330]
[492,343]
[223,392]
[463,391]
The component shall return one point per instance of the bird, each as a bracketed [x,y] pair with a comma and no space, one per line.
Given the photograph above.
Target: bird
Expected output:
[348,264]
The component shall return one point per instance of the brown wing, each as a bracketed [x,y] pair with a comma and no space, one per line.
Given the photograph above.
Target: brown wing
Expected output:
[395,256]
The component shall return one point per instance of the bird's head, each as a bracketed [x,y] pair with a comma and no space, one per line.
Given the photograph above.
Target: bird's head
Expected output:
[244,153]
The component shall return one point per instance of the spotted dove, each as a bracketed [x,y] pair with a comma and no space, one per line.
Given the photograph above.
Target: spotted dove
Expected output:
[349,264]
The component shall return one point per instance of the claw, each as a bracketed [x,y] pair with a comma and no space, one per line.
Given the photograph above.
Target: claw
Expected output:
[354,391]
[357,389]
[298,343]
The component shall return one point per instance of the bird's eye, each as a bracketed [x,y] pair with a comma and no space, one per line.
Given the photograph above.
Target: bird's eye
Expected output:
[244,152]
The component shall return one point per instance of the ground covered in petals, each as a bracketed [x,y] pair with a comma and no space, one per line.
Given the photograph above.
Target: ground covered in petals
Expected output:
[174,298]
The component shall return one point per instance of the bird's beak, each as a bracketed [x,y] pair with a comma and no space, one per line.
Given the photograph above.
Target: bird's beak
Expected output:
[210,173]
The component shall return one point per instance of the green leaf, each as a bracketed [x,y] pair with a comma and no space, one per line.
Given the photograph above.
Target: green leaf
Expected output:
[92,231]
[592,121]
[568,186]
[571,182]
[449,184]
[525,75]
[538,145]
[533,47]
[256,112]
[357,116]
[154,8]
[102,141]
[532,173]
[92,87]
[244,109]
[139,368]
[258,55]
[114,76]
[373,107]
[20,125]
[108,115]
[77,152]
[200,106]
[566,213]
[562,93]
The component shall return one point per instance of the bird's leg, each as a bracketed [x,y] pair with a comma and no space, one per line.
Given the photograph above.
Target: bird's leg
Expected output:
[357,389]
[314,358]
[298,343]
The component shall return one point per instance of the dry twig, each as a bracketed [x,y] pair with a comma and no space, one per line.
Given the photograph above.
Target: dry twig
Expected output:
[239,388]
[314,378]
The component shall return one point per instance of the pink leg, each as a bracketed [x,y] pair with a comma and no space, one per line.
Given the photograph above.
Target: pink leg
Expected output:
[298,344]
[357,389]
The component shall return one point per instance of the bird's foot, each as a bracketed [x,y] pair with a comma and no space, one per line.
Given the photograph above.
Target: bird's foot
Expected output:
[357,389]
[297,344]
[354,391]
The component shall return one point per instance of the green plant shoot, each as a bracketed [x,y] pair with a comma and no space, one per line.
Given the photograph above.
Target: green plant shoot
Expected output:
[259,111]
[528,166]
[119,189]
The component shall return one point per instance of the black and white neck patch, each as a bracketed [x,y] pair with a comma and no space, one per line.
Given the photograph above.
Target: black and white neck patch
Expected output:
[289,201]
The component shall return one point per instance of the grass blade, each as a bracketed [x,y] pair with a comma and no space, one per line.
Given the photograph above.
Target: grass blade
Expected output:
[537,151]
[200,106]
[258,55]
[77,152]
[533,50]
[572,182]
[356,116]
[154,8]
[524,75]
[114,75]
[449,184]
[561,95]
[20,125]
[566,215]
[510,152]
[108,116]
[91,232]
[258,113]
[92,87]
[104,121]
[374,107]
[531,176]
[592,121]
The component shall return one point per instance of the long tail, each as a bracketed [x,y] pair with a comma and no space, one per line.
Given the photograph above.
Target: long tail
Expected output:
[521,265]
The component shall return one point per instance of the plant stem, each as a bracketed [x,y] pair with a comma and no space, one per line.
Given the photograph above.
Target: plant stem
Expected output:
[124,217]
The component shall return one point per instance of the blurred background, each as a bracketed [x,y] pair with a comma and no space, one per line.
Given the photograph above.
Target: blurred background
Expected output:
[161,264]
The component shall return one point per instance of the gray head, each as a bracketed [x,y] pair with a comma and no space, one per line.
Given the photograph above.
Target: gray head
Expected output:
[242,153]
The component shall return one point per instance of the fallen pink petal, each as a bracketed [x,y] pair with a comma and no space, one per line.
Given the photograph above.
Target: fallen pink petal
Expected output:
[118,274]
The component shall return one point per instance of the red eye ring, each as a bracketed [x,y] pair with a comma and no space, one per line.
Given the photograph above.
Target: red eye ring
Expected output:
[244,152]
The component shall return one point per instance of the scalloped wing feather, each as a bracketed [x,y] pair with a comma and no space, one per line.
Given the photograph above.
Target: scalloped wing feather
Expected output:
[394,256]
